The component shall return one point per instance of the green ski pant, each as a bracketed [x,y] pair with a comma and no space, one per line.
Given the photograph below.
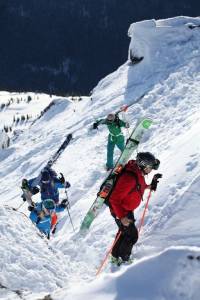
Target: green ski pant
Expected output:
[112,141]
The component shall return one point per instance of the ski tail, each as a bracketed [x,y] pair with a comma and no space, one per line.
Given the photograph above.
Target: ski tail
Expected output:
[60,150]
[132,143]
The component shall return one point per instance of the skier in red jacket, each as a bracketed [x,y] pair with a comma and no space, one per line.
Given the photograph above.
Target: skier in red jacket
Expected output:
[126,197]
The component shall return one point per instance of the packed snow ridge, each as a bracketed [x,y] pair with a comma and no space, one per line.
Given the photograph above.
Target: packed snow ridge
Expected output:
[167,255]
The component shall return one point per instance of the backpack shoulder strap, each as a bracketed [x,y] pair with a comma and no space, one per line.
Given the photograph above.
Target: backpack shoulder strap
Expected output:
[134,174]
[138,185]
[117,121]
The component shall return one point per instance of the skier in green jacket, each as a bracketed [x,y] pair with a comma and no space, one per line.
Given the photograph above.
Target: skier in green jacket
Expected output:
[115,136]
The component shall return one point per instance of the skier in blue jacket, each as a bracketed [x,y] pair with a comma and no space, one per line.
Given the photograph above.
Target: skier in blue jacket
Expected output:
[43,215]
[48,182]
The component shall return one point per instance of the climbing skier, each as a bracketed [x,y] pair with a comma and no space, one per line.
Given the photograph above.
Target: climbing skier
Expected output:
[48,183]
[115,137]
[43,215]
[126,197]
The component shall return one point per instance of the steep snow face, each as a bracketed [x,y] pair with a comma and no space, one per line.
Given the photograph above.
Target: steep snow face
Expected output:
[171,274]
[172,89]
[166,45]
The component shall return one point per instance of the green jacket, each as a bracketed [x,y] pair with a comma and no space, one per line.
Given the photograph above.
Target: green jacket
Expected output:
[114,127]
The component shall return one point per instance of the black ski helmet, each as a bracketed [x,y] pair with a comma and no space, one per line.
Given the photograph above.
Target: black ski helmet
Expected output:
[145,159]
[45,176]
[49,204]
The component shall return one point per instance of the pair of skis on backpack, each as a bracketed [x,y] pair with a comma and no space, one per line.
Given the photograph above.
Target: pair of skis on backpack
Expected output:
[106,188]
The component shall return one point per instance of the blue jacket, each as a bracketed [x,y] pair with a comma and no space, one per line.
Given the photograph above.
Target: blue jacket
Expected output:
[49,190]
[43,224]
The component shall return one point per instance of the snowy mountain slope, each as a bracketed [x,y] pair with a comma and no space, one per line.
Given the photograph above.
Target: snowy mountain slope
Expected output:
[29,259]
[174,103]
[152,278]
[48,130]
[172,99]
[166,45]
[16,115]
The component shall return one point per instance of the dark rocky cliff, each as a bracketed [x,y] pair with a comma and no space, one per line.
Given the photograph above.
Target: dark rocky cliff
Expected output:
[67,46]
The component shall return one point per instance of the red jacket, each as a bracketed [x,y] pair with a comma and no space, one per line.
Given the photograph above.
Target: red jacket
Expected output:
[125,197]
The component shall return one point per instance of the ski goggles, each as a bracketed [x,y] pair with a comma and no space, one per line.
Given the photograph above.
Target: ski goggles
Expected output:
[147,169]
[45,181]
[153,166]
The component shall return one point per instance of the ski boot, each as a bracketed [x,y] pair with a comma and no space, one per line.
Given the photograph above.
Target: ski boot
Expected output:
[115,261]
[108,168]
[127,262]
[118,261]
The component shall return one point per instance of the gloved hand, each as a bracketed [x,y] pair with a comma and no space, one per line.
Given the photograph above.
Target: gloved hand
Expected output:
[31,207]
[25,184]
[62,178]
[67,184]
[35,190]
[95,125]
[126,221]
[64,203]
[23,197]
[127,125]
[155,181]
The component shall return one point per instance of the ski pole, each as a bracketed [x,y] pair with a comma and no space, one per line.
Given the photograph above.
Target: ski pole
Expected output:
[68,211]
[144,212]
[70,219]
[108,253]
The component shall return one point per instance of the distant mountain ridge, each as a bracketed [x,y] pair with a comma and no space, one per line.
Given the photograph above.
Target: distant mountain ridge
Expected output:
[67,46]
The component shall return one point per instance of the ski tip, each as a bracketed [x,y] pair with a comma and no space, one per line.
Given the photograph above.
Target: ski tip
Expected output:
[147,122]
[70,136]
[9,207]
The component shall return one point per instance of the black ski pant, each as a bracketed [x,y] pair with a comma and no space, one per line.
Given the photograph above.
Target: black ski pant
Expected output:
[128,237]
